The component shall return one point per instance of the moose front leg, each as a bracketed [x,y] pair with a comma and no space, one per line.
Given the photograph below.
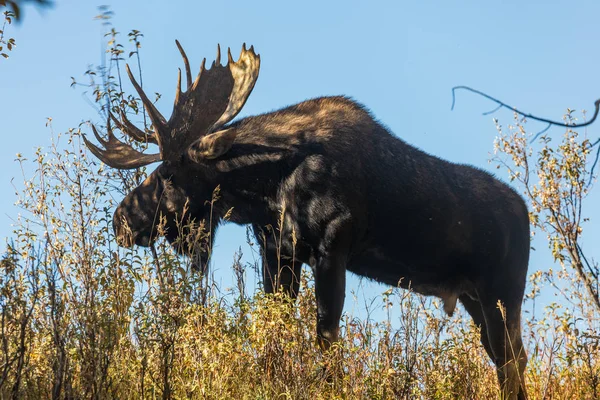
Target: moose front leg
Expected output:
[329,268]
[280,270]
[330,291]
[281,273]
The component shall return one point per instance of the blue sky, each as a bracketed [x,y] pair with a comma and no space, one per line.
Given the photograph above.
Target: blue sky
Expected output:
[399,58]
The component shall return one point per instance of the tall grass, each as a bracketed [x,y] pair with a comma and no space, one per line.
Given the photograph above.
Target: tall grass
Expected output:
[82,318]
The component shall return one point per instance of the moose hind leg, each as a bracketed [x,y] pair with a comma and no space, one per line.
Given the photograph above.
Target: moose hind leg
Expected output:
[474,309]
[504,336]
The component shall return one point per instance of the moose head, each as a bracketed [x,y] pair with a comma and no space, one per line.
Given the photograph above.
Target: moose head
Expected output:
[196,131]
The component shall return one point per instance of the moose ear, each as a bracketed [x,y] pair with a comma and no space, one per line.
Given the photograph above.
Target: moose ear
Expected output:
[213,145]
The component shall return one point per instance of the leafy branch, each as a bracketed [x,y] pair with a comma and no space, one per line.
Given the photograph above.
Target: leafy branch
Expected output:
[9,43]
[557,196]
[15,6]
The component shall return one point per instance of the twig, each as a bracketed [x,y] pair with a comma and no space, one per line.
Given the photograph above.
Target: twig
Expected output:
[595,162]
[504,105]
[139,62]
[537,135]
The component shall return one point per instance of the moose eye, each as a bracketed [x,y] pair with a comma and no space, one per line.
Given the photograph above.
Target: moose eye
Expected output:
[164,174]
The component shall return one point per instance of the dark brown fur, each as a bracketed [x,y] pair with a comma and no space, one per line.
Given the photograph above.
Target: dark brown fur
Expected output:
[355,197]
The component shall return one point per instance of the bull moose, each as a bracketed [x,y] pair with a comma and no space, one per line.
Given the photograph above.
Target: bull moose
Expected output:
[351,197]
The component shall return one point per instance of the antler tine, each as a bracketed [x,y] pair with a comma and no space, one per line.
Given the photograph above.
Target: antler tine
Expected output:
[98,137]
[197,81]
[188,71]
[130,129]
[118,154]
[218,59]
[229,57]
[245,73]
[156,117]
[111,136]
[178,90]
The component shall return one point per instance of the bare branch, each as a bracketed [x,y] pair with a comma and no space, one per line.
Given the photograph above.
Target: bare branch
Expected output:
[501,104]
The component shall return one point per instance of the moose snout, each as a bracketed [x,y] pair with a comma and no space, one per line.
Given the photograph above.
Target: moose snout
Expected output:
[131,228]
[122,229]
[126,233]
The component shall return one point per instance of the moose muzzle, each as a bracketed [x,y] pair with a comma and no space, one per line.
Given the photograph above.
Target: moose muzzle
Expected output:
[126,232]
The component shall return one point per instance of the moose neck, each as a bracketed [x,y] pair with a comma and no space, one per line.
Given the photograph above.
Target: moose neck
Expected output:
[249,176]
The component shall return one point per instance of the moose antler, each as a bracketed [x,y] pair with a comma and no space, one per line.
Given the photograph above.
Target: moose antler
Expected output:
[118,154]
[214,98]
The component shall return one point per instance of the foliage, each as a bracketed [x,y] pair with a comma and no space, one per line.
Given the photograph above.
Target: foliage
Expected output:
[563,181]
[15,6]
[13,11]
[10,42]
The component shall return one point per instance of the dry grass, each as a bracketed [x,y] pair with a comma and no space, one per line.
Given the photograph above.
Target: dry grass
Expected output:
[81,318]
[142,339]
